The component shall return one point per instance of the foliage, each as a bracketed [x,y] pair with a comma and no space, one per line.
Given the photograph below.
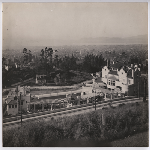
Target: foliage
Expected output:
[93,63]
[27,56]
[84,128]
[46,59]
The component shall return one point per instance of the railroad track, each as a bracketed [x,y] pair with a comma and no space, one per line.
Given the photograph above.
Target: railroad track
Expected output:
[29,117]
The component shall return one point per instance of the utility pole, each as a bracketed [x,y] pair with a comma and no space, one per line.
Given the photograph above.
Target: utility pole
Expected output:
[95,99]
[17,102]
[138,88]
[20,108]
[144,97]
[144,91]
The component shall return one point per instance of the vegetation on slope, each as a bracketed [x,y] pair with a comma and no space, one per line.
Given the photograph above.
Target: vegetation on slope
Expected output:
[81,130]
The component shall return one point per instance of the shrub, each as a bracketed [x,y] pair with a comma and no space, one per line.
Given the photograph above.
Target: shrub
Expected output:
[84,128]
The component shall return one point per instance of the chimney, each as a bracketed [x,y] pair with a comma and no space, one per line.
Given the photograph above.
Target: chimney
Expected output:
[135,66]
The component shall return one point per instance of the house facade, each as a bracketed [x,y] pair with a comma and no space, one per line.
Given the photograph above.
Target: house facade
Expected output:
[15,103]
[40,79]
[12,107]
[120,76]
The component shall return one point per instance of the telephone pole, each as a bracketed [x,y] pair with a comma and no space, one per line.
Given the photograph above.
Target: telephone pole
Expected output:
[17,102]
[144,97]
[94,98]
[20,108]
[138,88]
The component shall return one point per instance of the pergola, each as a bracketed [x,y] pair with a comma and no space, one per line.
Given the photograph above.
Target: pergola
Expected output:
[47,102]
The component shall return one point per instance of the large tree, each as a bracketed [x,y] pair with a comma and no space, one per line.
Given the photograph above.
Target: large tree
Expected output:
[27,57]
[46,59]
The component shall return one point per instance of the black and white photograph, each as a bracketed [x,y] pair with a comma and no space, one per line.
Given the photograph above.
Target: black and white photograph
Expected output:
[75,74]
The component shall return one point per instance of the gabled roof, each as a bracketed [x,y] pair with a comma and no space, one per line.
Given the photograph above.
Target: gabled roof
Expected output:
[13,102]
[117,65]
[8,99]
[112,78]
[11,93]
[113,72]
[125,68]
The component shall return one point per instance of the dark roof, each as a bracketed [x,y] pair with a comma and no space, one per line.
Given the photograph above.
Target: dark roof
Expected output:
[113,72]
[12,102]
[125,69]
[129,74]
[117,65]
[112,78]
[98,80]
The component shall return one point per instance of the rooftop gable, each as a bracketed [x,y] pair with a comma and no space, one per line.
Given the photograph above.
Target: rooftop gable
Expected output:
[112,78]
[113,72]
[13,102]
[117,65]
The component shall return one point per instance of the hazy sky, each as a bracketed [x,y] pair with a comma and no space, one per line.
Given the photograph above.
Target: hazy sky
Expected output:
[41,24]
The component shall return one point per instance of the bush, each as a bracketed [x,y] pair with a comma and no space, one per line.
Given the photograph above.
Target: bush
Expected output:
[84,128]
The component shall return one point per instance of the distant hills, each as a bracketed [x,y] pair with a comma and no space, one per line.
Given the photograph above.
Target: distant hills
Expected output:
[140,39]
[58,44]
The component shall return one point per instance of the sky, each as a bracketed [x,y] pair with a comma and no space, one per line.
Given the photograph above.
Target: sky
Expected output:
[42,24]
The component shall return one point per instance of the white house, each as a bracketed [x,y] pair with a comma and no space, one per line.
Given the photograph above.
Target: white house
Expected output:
[12,107]
[120,76]
[14,104]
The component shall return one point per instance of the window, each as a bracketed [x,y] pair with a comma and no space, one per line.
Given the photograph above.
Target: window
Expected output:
[12,106]
[105,76]
[113,83]
[109,82]
[15,106]
[21,103]
[129,82]
[9,106]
